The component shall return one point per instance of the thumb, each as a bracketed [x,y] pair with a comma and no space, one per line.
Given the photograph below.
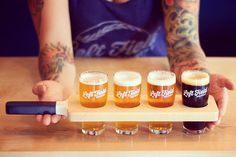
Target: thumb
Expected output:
[39,89]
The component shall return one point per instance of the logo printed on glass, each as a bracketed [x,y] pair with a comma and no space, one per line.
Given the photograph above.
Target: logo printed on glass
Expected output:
[96,94]
[162,93]
[197,93]
[128,94]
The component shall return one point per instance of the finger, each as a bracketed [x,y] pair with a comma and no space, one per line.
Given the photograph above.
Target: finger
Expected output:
[46,119]
[56,118]
[225,82]
[63,117]
[218,122]
[39,89]
[39,118]
[222,103]
[211,125]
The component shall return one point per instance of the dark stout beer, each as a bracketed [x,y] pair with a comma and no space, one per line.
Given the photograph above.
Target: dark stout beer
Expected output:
[195,96]
[195,93]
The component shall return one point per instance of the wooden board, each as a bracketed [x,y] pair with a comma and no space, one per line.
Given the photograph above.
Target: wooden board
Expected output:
[144,112]
[23,136]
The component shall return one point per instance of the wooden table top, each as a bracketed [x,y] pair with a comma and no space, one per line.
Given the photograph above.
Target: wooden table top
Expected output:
[23,133]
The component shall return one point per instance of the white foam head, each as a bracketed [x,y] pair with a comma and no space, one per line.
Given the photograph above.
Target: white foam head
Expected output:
[127,78]
[93,78]
[161,78]
[195,78]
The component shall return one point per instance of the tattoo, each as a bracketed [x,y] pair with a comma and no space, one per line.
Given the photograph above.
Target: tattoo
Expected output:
[36,7]
[181,24]
[52,59]
[188,57]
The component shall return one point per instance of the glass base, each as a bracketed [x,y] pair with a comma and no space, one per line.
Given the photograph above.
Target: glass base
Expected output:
[93,132]
[160,127]
[160,131]
[126,128]
[194,132]
[126,131]
[93,128]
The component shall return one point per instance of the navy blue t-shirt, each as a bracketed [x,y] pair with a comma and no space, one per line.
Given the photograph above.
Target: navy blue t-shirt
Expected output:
[105,29]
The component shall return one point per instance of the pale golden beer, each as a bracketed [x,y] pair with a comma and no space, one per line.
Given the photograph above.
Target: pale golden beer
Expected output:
[161,93]
[126,128]
[93,94]
[127,92]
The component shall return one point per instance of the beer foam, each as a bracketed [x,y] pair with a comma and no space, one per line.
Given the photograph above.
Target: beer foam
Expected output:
[93,78]
[127,78]
[195,78]
[161,78]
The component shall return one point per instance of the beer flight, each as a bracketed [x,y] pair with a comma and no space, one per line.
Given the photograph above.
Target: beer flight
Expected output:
[161,89]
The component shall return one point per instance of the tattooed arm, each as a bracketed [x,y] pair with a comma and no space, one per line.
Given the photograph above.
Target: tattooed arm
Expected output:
[184,50]
[56,62]
[181,24]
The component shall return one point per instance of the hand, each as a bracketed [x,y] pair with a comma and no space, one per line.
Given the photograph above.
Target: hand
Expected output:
[218,89]
[50,91]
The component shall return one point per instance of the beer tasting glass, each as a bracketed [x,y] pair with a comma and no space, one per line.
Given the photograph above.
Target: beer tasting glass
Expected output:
[127,91]
[161,93]
[195,93]
[93,94]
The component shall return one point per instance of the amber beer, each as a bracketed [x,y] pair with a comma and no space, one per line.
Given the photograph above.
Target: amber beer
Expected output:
[127,91]
[93,94]
[195,93]
[161,93]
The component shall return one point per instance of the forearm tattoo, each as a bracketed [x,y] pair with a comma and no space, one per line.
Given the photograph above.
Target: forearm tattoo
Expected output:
[181,24]
[36,7]
[52,59]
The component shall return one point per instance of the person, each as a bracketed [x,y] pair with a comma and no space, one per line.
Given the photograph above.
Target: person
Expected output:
[117,28]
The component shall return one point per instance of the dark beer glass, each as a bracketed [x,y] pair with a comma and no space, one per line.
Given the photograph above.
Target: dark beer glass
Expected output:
[195,93]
